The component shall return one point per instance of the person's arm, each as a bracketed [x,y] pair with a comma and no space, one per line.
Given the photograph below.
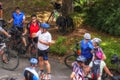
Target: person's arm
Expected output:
[104,56]
[23,19]
[11,20]
[108,71]
[25,31]
[4,32]
[72,75]
[48,43]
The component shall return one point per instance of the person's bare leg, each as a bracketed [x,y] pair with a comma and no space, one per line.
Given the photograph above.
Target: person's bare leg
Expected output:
[41,63]
[48,66]
[24,41]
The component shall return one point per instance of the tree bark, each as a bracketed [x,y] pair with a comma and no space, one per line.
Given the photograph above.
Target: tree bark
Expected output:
[67,7]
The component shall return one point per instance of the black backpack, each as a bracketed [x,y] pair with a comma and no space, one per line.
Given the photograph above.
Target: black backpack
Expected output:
[28,75]
[69,21]
[96,69]
[61,21]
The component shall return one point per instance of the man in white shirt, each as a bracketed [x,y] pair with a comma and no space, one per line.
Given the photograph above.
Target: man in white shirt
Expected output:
[44,41]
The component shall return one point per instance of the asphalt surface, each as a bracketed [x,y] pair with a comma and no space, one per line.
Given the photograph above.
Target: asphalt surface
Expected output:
[59,71]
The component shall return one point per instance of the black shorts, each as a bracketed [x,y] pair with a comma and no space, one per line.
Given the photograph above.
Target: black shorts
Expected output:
[43,53]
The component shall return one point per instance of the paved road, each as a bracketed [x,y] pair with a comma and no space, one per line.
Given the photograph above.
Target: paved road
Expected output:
[59,71]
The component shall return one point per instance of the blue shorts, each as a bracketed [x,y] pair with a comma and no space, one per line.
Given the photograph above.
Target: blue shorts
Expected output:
[43,53]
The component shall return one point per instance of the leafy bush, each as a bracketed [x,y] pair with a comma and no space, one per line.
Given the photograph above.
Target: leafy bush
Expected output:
[104,16]
[59,48]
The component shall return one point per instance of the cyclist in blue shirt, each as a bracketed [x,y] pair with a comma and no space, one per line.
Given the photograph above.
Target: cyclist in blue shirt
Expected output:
[30,72]
[18,19]
[86,47]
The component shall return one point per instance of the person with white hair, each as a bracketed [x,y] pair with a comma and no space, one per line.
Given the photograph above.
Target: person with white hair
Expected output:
[86,47]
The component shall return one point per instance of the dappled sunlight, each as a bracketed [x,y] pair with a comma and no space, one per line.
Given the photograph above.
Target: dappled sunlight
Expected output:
[104,44]
[43,15]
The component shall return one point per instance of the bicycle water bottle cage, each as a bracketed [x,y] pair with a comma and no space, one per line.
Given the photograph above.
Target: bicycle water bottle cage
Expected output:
[114,59]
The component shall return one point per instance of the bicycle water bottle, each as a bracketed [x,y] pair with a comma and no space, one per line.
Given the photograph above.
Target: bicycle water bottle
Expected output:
[78,49]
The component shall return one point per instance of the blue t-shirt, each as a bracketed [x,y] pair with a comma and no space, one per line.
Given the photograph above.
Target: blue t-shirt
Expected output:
[86,48]
[18,18]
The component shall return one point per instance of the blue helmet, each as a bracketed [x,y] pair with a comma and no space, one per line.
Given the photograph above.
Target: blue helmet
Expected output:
[81,59]
[33,61]
[45,25]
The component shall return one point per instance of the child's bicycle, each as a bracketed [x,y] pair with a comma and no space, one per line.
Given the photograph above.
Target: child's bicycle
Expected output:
[72,57]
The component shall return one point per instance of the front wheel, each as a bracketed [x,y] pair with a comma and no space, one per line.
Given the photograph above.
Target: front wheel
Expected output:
[69,60]
[12,60]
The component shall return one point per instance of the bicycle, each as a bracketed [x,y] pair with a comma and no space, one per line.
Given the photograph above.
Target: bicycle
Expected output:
[72,57]
[9,59]
[54,14]
[114,70]
[18,45]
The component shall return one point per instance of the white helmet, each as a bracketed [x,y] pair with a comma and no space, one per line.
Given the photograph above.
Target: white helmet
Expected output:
[97,40]
[87,36]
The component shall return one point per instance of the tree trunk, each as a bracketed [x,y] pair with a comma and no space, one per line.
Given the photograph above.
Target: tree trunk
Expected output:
[67,7]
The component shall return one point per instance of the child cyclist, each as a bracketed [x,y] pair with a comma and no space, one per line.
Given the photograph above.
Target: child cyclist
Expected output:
[79,69]
[30,72]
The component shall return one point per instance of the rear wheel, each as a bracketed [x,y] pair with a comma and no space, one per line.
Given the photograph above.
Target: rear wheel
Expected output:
[12,60]
[69,60]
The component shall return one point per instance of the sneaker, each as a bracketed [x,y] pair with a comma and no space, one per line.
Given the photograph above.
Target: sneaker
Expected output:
[49,76]
[41,74]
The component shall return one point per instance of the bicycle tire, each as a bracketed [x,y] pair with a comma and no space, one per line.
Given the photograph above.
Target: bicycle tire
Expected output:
[12,58]
[69,60]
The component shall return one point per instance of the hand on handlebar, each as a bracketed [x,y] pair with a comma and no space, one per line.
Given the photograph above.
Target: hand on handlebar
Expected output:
[114,78]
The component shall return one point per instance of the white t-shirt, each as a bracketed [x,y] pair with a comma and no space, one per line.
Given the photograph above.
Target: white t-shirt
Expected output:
[102,65]
[46,37]
[1,28]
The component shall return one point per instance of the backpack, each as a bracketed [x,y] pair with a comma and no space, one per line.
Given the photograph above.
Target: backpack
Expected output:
[95,69]
[28,75]
[69,21]
[61,21]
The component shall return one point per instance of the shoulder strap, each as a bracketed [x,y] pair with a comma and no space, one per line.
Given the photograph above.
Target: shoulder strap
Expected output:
[32,71]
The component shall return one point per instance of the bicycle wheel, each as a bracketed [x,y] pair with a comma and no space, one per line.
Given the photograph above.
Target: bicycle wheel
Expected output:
[12,60]
[105,76]
[69,60]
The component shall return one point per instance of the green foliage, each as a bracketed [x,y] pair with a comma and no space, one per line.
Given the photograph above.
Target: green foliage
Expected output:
[104,16]
[59,48]
[110,46]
